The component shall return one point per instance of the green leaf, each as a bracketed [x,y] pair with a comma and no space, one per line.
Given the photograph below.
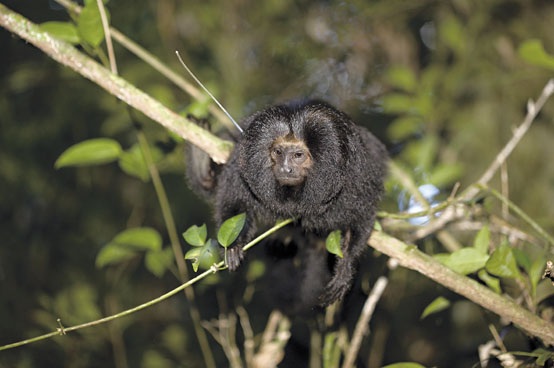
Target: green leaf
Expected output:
[113,253]
[502,263]
[492,282]
[89,152]
[332,243]
[89,24]
[132,162]
[140,238]
[194,256]
[533,52]
[445,174]
[481,242]
[404,127]
[65,31]
[196,235]
[396,103]
[204,256]
[230,229]
[535,273]
[158,261]
[402,77]
[453,33]
[404,365]
[435,306]
[256,269]
[464,261]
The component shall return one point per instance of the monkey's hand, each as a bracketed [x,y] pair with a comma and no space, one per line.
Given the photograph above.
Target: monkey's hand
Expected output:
[235,255]
[339,285]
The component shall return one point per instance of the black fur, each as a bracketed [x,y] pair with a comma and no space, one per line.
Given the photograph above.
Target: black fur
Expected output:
[341,191]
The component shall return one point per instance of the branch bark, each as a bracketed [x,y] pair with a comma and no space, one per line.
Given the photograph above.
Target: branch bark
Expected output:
[410,257]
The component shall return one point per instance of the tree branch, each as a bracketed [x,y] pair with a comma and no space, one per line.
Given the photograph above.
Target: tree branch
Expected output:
[410,257]
[68,55]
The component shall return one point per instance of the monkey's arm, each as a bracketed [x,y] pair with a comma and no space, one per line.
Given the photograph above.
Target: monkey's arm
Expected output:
[353,245]
[233,198]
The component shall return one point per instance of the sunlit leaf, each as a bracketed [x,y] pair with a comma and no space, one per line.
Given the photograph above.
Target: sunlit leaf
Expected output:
[204,256]
[481,242]
[141,238]
[533,52]
[502,263]
[89,152]
[332,243]
[464,261]
[193,255]
[196,235]
[89,24]
[230,229]
[437,305]
[65,31]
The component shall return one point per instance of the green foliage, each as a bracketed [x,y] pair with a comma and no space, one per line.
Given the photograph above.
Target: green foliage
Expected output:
[204,252]
[230,230]
[134,242]
[133,163]
[90,152]
[333,243]
[502,263]
[196,235]
[404,365]
[437,305]
[65,31]
[533,52]
[89,25]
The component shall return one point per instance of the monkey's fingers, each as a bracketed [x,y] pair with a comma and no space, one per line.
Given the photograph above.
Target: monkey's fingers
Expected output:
[235,255]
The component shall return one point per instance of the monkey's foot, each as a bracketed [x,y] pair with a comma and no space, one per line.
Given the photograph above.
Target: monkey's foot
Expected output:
[235,255]
[333,292]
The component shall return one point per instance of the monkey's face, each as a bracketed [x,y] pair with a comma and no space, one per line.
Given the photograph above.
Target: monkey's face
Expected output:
[291,161]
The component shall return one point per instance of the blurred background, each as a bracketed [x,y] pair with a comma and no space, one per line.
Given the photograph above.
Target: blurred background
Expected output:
[442,83]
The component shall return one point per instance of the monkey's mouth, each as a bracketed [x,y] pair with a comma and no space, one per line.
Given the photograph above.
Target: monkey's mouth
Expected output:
[290,181]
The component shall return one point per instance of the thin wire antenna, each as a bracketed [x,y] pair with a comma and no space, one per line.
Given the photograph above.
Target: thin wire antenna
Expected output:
[208,92]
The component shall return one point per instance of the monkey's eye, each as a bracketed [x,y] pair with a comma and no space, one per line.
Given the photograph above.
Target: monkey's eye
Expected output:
[298,155]
[277,152]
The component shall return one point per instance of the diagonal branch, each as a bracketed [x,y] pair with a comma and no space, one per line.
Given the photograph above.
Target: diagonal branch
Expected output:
[69,56]
[410,257]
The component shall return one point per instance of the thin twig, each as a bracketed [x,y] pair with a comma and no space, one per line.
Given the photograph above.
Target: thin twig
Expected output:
[450,214]
[107,36]
[362,326]
[156,64]
[215,268]
[67,55]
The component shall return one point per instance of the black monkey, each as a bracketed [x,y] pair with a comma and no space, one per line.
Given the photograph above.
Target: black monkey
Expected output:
[310,162]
